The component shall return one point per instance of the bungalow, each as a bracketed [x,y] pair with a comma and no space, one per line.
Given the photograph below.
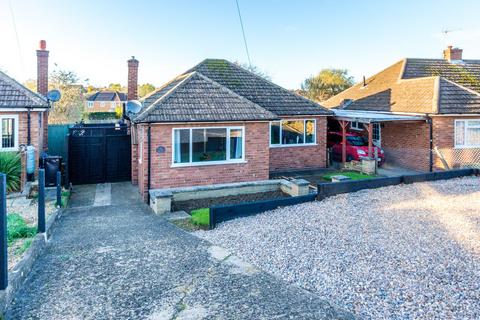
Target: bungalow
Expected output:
[219,123]
[425,113]
[23,113]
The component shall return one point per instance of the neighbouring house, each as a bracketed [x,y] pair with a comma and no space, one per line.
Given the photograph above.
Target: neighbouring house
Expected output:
[24,114]
[425,113]
[219,123]
[105,101]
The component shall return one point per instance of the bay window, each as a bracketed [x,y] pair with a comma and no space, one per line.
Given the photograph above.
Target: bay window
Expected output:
[293,132]
[213,145]
[8,132]
[467,133]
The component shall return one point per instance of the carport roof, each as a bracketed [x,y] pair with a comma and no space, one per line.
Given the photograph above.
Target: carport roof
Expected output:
[372,116]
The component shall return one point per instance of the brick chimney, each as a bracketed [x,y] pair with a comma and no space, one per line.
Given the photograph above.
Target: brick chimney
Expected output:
[42,68]
[132,79]
[452,54]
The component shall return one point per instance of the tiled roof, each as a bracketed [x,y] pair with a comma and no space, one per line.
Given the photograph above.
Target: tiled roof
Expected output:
[218,90]
[15,95]
[257,89]
[107,96]
[194,97]
[416,86]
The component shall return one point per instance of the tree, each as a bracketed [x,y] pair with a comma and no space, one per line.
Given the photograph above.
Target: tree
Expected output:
[326,84]
[31,84]
[71,105]
[145,89]
[115,87]
[254,69]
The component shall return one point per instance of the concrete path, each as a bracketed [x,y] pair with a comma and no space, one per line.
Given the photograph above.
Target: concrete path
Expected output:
[119,261]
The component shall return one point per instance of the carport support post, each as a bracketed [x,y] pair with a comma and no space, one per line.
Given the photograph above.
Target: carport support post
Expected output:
[3,231]
[41,201]
[370,139]
[343,124]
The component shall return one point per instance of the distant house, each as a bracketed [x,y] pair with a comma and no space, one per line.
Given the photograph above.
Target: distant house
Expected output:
[105,101]
[426,112]
[23,113]
[219,123]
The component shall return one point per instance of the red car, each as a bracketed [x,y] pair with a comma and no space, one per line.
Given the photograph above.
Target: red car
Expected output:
[357,147]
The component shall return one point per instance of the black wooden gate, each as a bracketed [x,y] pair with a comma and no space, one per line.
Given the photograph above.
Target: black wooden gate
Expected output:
[99,153]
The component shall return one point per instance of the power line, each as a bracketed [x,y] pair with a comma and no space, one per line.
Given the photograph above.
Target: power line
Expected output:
[16,36]
[243,33]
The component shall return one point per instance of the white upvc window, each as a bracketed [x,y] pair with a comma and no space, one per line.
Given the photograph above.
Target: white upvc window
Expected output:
[377,134]
[89,104]
[294,132]
[8,132]
[207,146]
[355,125]
[467,133]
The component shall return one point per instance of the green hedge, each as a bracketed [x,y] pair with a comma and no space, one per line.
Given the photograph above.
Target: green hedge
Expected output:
[102,115]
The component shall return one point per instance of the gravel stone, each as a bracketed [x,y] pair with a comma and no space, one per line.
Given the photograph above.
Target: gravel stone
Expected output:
[399,252]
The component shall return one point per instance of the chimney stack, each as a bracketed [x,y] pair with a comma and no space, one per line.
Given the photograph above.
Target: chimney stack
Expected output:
[452,54]
[132,79]
[42,68]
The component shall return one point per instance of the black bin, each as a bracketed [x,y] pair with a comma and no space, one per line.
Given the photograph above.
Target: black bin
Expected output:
[51,164]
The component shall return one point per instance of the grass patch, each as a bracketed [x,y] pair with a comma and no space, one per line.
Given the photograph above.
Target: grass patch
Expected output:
[65,198]
[17,228]
[351,174]
[24,247]
[200,217]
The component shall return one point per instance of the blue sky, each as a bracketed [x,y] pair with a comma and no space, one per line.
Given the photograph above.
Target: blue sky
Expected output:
[289,39]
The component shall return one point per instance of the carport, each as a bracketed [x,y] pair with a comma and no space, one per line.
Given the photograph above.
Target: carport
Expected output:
[368,119]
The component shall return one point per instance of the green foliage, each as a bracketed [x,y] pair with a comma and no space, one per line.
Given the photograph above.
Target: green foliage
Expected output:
[24,247]
[17,228]
[115,87]
[11,165]
[102,115]
[200,217]
[65,198]
[72,103]
[326,84]
[351,174]
[145,89]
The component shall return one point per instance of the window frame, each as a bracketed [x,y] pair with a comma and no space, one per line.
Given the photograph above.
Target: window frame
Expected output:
[305,144]
[358,126]
[209,163]
[90,104]
[15,132]
[465,126]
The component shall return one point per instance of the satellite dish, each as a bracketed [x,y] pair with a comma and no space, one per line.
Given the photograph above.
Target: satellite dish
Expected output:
[54,95]
[134,106]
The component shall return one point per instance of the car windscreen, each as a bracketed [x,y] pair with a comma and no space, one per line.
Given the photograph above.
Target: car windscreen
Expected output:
[357,141]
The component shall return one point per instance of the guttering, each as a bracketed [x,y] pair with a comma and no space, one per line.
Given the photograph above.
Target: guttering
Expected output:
[149,156]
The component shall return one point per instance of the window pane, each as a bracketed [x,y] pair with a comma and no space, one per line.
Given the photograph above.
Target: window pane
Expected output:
[459,133]
[209,145]
[473,137]
[8,133]
[310,131]
[292,132]
[236,142]
[275,132]
[181,146]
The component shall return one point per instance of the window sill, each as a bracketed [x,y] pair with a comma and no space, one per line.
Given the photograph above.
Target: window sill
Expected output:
[206,163]
[8,149]
[293,145]
[467,147]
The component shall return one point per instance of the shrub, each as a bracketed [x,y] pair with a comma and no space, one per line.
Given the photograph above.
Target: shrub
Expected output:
[200,217]
[11,165]
[18,228]
[102,116]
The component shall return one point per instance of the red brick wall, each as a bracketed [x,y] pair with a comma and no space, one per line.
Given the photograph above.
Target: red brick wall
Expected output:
[164,176]
[303,157]
[444,140]
[105,107]
[407,144]
[36,135]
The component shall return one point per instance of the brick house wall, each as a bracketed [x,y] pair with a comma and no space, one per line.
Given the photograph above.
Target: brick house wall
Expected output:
[444,140]
[301,157]
[103,106]
[163,175]
[407,144]
[37,135]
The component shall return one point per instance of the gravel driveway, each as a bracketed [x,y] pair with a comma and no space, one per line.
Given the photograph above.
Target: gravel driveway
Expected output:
[408,251]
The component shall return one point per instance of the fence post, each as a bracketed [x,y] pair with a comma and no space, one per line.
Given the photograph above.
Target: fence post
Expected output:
[59,189]
[41,201]
[3,230]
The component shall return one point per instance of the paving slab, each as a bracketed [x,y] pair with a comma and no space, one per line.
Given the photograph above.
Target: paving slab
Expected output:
[120,261]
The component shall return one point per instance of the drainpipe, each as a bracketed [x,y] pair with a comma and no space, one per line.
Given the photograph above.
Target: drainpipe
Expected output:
[149,156]
[28,127]
[430,125]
